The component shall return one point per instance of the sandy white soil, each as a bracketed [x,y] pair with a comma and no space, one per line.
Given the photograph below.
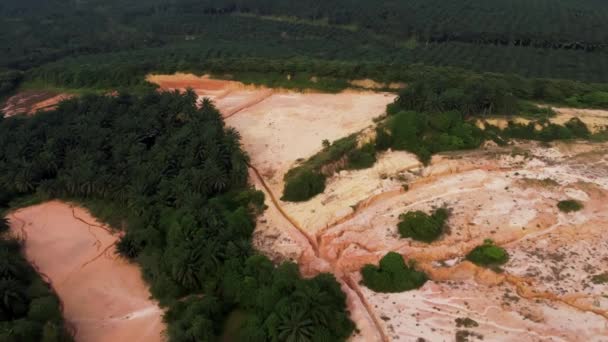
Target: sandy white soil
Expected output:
[105,299]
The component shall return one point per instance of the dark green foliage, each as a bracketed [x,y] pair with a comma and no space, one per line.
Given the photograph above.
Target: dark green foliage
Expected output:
[4,225]
[361,158]
[281,305]
[573,129]
[599,279]
[304,186]
[9,80]
[421,226]
[175,178]
[563,39]
[29,309]
[393,275]
[569,206]
[488,255]
[308,179]
[425,134]
[466,322]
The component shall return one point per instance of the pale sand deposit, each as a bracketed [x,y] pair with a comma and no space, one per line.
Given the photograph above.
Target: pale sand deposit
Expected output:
[105,299]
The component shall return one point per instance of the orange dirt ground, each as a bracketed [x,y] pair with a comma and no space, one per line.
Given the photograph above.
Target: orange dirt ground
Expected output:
[104,297]
[29,102]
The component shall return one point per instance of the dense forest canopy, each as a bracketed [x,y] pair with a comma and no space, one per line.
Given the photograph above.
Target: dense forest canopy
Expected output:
[178,178]
[538,38]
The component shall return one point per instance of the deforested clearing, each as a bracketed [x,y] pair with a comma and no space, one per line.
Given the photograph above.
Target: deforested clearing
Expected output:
[104,297]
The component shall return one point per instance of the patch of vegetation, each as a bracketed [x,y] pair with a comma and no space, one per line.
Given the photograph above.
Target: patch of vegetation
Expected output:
[361,158]
[488,255]
[529,110]
[304,186]
[308,179]
[9,81]
[175,178]
[423,227]
[29,310]
[4,225]
[393,275]
[568,206]
[600,278]
[467,336]
[466,322]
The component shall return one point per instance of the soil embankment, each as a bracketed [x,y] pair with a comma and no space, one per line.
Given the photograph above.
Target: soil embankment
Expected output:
[104,297]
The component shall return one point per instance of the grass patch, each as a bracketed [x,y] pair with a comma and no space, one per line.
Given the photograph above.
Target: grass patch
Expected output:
[488,255]
[568,206]
[421,226]
[393,275]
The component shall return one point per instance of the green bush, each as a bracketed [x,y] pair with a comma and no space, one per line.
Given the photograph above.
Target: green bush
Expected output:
[304,186]
[488,255]
[393,275]
[568,206]
[362,158]
[421,226]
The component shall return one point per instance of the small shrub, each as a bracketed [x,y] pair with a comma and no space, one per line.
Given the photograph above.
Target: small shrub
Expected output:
[569,206]
[362,158]
[600,278]
[421,226]
[466,322]
[303,186]
[488,255]
[393,275]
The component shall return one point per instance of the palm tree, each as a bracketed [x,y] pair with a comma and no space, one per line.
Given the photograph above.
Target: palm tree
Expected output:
[294,326]
[13,302]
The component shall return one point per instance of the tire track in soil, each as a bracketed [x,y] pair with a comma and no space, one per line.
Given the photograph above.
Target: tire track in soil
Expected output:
[345,278]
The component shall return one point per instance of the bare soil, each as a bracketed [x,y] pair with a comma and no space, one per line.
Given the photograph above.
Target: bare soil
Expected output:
[29,102]
[104,297]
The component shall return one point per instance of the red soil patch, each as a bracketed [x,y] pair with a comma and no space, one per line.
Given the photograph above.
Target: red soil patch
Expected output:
[104,297]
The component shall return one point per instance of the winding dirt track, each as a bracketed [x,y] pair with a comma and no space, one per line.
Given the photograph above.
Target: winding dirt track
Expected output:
[345,279]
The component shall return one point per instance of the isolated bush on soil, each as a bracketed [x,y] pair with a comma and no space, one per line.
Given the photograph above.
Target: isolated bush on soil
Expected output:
[423,227]
[568,206]
[393,275]
[488,254]
[304,186]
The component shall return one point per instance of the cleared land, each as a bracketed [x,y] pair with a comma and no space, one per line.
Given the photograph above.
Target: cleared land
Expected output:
[104,297]
[29,102]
